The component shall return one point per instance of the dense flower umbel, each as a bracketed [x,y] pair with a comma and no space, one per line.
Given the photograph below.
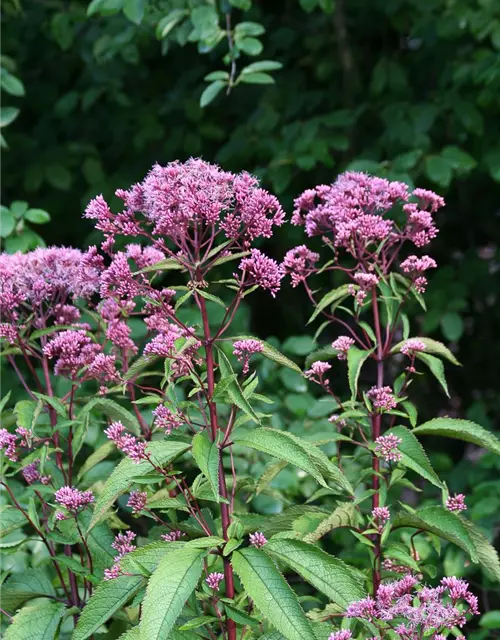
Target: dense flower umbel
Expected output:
[342,344]
[214,580]
[165,418]
[123,544]
[412,346]
[387,447]
[412,610]
[382,398]
[181,200]
[73,499]
[262,271]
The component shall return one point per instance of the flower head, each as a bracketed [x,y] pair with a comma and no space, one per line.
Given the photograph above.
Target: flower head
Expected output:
[456,503]
[137,501]
[262,271]
[73,499]
[214,580]
[244,349]
[340,635]
[172,536]
[257,539]
[387,447]
[382,398]
[317,372]
[8,442]
[123,544]
[126,442]
[412,346]
[342,344]
[299,264]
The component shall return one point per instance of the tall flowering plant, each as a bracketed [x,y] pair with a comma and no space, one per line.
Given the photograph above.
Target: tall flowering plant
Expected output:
[129,351]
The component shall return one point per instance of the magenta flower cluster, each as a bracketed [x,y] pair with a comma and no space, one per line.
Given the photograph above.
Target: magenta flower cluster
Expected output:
[387,447]
[129,444]
[244,349]
[214,579]
[73,499]
[257,539]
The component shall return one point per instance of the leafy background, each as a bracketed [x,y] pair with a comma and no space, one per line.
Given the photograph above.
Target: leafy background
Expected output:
[93,95]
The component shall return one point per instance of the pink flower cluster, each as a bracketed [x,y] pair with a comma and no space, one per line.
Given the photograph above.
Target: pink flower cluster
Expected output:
[244,349]
[180,199]
[382,398]
[456,503]
[214,580]
[299,264]
[387,447]
[382,515]
[412,346]
[137,501]
[173,536]
[123,544]
[73,499]
[126,442]
[165,418]
[340,635]
[342,344]
[413,611]
[257,539]
[31,474]
[261,271]
[415,267]
[73,350]
[8,442]
[317,372]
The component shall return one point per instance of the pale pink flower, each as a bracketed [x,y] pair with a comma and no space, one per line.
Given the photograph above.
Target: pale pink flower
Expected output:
[166,419]
[340,635]
[173,536]
[73,499]
[244,349]
[382,398]
[342,344]
[412,346]
[126,442]
[8,442]
[317,371]
[456,503]
[262,271]
[257,539]
[299,263]
[137,501]
[123,544]
[214,580]
[387,448]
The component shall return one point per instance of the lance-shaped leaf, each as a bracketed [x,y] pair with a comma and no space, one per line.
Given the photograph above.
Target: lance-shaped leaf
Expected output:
[345,515]
[109,596]
[329,575]
[29,584]
[148,557]
[460,430]
[284,446]
[234,391]
[486,552]
[271,353]
[328,299]
[206,454]
[431,346]
[168,589]
[414,457]
[10,520]
[113,410]
[99,454]
[161,452]
[436,367]
[271,593]
[36,622]
[442,523]
[355,361]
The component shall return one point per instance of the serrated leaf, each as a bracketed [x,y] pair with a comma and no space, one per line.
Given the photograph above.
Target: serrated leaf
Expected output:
[269,474]
[109,596]
[332,296]
[486,553]
[10,520]
[112,410]
[161,452]
[345,515]
[206,454]
[29,584]
[36,622]
[271,593]
[168,589]
[234,390]
[437,369]
[460,430]
[326,573]
[414,457]
[355,361]
[101,453]
[272,353]
[431,346]
[442,523]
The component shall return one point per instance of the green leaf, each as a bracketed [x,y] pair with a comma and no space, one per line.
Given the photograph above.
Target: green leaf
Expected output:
[436,367]
[442,523]
[112,410]
[240,617]
[262,65]
[256,78]
[168,264]
[104,7]
[345,515]
[414,457]
[10,520]
[431,346]
[332,296]
[36,622]
[271,353]
[162,452]
[134,10]
[29,584]
[250,46]
[249,29]
[169,22]
[168,589]
[326,573]
[486,552]
[452,326]
[109,596]
[438,170]
[101,453]
[355,361]
[490,620]
[211,92]
[206,454]
[216,75]
[459,159]
[37,216]
[460,430]
[11,84]
[223,385]
[234,390]
[271,593]
[7,222]
[8,115]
